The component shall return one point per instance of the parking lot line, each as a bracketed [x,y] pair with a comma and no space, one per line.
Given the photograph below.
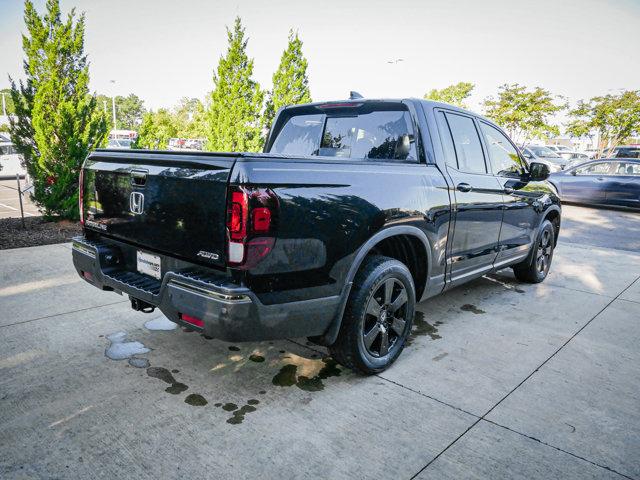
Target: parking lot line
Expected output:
[15,209]
[483,417]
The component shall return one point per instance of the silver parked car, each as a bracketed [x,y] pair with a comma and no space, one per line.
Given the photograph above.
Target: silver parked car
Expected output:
[541,154]
[10,162]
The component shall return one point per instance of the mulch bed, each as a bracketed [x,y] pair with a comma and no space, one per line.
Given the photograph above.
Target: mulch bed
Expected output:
[38,232]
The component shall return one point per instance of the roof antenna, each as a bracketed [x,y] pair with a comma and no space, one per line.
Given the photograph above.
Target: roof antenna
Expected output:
[354,95]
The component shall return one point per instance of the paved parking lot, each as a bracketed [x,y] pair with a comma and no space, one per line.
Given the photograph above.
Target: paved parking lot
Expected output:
[501,380]
[10,203]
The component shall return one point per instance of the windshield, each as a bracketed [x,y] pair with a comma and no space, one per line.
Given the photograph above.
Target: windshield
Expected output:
[543,152]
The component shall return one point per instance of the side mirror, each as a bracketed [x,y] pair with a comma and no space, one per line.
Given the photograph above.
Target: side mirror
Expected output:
[538,171]
[574,172]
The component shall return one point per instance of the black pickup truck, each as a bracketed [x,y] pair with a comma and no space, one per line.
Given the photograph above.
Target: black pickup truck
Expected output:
[355,211]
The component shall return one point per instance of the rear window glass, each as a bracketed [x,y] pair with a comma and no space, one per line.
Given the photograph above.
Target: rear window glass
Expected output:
[628,153]
[300,136]
[378,135]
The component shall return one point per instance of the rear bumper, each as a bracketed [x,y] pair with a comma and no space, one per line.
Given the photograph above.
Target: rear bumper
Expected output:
[230,312]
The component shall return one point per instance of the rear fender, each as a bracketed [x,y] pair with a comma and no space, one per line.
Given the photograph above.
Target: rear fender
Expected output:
[332,332]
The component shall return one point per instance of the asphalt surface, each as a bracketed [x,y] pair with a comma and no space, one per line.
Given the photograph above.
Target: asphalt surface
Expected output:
[10,202]
[601,227]
[501,380]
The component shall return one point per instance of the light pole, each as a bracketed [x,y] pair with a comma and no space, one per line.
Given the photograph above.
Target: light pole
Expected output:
[4,106]
[113,104]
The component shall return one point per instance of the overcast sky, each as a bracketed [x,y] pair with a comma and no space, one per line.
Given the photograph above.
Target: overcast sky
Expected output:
[162,50]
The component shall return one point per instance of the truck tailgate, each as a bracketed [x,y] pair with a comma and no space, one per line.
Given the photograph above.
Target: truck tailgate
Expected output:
[170,203]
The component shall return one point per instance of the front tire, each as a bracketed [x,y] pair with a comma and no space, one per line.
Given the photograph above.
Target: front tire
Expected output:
[536,267]
[378,316]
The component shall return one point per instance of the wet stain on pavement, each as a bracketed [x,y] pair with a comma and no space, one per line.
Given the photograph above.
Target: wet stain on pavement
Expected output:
[230,407]
[176,388]
[233,348]
[120,349]
[196,400]
[256,358]
[286,377]
[468,307]
[306,374]
[421,327]
[165,375]
[505,284]
[161,373]
[238,415]
[437,358]
[139,362]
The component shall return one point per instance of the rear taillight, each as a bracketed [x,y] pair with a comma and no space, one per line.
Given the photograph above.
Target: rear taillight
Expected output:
[81,196]
[251,217]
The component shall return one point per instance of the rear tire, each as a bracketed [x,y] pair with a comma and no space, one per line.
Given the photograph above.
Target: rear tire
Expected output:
[378,316]
[536,267]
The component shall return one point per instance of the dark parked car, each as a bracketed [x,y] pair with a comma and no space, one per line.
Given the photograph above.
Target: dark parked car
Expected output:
[622,151]
[613,182]
[356,211]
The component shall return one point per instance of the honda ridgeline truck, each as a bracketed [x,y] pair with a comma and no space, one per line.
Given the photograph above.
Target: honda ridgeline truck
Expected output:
[356,211]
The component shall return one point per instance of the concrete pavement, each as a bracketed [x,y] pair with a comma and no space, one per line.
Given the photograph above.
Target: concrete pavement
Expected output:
[502,380]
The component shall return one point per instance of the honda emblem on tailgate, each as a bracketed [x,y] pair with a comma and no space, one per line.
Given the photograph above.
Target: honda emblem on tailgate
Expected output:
[136,203]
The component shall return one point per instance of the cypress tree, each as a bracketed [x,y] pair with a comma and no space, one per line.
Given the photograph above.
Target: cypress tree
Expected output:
[290,81]
[57,122]
[233,116]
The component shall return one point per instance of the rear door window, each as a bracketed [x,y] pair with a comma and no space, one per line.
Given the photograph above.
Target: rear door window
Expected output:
[385,135]
[467,144]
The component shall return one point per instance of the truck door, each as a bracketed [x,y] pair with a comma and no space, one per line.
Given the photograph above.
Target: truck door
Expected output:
[520,199]
[477,198]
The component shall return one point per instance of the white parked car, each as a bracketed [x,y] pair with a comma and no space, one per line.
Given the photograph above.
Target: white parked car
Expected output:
[10,162]
[119,143]
[565,152]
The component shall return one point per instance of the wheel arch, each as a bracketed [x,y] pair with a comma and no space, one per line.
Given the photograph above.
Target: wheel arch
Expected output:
[554,215]
[405,243]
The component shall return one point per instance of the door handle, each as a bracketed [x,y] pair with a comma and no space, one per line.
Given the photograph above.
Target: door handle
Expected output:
[600,179]
[464,187]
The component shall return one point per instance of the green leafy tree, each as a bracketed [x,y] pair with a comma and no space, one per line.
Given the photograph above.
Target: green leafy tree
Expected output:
[616,118]
[523,114]
[191,118]
[156,130]
[290,81]
[129,111]
[453,94]
[56,121]
[233,117]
